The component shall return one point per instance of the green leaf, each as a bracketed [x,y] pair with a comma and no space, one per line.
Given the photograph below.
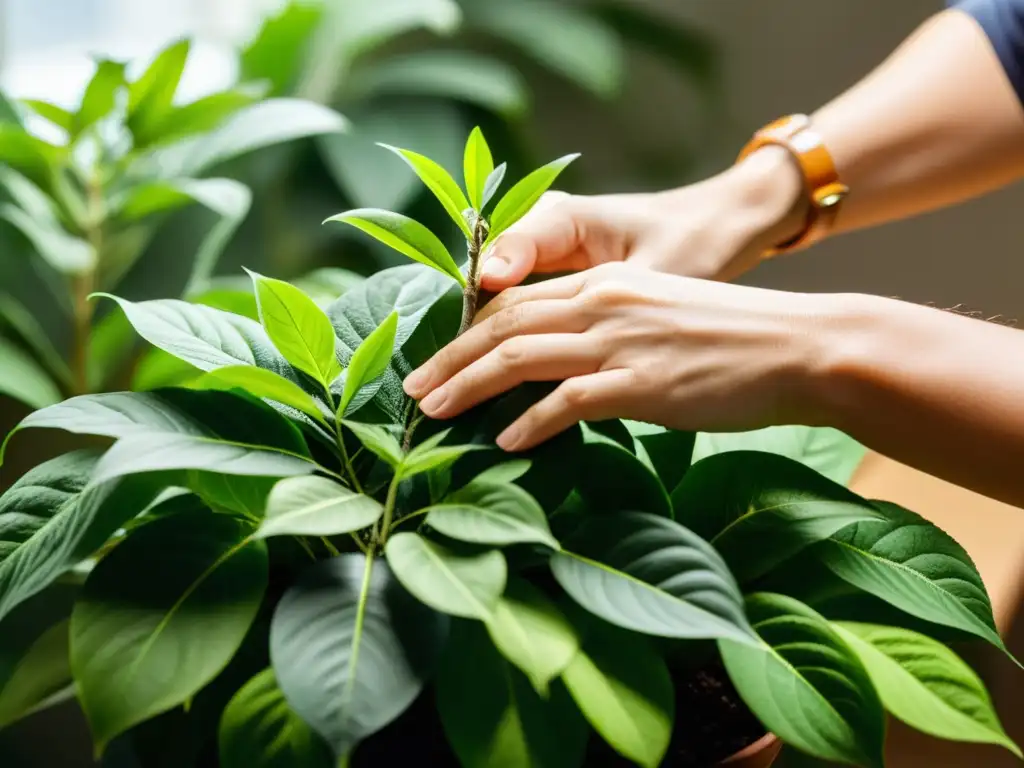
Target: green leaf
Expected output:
[460,585]
[369,361]
[326,284]
[526,192]
[204,337]
[352,649]
[298,327]
[29,154]
[649,574]
[424,458]
[378,440]
[624,689]
[508,472]
[360,29]
[405,235]
[150,97]
[316,506]
[569,41]
[477,165]
[201,115]
[486,512]
[259,730]
[263,384]
[181,429]
[277,53]
[914,565]
[760,509]
[926,685]
[23,379]
[74,530]
[493,717]
[25,324]
[242,495]
[670,450]
[827,451]
[805,684]
[100,95]
[440,182]
[51,112]
[141,646]
[532,633]
[476,79]
[612,479]
[492,185]
[10,111]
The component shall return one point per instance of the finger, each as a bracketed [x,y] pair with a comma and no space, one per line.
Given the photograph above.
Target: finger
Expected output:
[566,287]
[551,357]
[535,317]
[547,239]
[602,395]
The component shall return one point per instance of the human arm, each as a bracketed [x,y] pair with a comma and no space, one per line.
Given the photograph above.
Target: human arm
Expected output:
[937,123]
[908,381]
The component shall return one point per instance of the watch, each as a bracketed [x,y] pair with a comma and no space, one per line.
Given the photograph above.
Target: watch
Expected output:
[824,190]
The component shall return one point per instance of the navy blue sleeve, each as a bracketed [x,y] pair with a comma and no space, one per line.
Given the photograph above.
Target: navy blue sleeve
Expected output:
[1003,22]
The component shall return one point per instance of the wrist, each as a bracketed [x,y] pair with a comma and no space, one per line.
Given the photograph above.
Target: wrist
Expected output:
[766,198]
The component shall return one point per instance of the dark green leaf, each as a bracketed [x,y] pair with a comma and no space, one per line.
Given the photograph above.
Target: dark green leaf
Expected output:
[460,585]
[405,235]
[378,440]
[316,506]
[805,684]
[926,685]
[759,509]
[369,361]
[478,165]
[612,479]
[491,715]
[24,323]
[521,198]
[24,379]
[440,182]
[259,730]
[649,574]
[277,53]
[352,649]
[486,512]
[623,688]
[239,494]
[100,95]
[263,384]
[162,615]
[670,450]
[29,154]
[915,566]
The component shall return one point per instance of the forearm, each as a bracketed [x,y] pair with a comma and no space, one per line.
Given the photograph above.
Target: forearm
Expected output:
[932,389]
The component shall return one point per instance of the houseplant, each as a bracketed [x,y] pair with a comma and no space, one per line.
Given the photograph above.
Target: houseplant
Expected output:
[289,554]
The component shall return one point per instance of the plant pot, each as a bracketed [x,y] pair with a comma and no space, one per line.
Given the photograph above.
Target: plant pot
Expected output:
[761,754]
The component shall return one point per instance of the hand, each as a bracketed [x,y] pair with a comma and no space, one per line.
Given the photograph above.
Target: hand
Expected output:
[716,229]
[630,343]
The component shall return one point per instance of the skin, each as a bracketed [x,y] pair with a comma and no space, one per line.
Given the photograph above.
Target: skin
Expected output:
[647,329]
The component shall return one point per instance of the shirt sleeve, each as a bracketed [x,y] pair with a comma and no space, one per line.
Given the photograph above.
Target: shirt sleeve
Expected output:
[1003,22]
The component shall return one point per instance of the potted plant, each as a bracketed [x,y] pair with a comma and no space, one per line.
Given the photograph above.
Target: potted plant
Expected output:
[287,564]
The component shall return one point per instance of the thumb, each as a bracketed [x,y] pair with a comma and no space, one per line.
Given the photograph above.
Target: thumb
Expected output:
[547,239]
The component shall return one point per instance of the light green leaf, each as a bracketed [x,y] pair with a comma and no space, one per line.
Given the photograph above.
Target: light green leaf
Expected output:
[316,506]
[351,649]
[262,384]
[278,51]
[473,78]
[486,512]
[760,509]
[914,565]
[805,684]
[259,730]
[204,337]
[493,717]
[150,97]
[162,615]
[378,440]
[100,95]
[651,575]
[526,192]
[405,235]
[298,327]
[563,38]
[459,585]
[624,689]
[532,633]
[369,361]
[424,458]
[51,112]
[363,28]
[231,493]
[440,182]
[326,284]
[492,185]
[478,165]
[23,379]
[508,472]
[201,115]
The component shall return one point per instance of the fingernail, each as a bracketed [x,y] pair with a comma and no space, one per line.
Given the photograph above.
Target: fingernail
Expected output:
[433,402]
[416,382]
[509,439]
[496,266]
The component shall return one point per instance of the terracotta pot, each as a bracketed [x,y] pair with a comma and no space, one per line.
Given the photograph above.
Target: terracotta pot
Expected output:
[760,754]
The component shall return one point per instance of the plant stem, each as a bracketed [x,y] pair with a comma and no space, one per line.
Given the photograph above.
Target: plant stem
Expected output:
[359,543]
[82,287]
[339,437]
[417,513]
[389,509]
[333,550]
[305,545]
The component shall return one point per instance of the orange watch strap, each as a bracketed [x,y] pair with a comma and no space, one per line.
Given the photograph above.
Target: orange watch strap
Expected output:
[821,180]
